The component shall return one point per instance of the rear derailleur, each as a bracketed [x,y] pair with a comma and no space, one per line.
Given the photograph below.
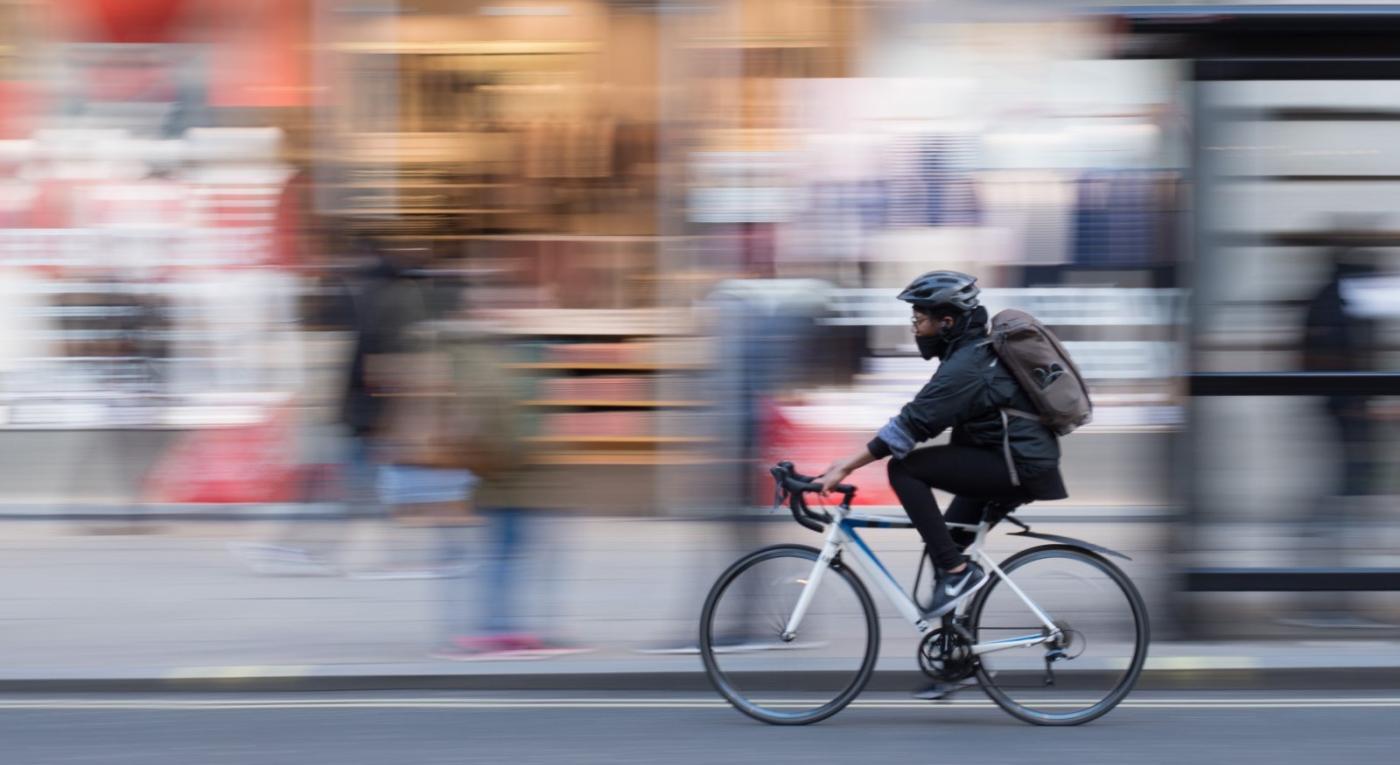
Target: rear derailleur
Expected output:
[1066,645]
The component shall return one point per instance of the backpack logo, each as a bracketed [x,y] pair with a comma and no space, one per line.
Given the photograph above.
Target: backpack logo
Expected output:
[1046,376]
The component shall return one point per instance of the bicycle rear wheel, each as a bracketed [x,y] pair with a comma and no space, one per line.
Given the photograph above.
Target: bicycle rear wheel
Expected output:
[802,678]
[1085,673]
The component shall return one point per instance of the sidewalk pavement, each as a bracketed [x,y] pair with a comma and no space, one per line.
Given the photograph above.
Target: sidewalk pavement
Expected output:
[84,609]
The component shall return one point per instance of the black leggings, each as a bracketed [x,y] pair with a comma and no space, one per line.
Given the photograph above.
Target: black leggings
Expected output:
[974,476]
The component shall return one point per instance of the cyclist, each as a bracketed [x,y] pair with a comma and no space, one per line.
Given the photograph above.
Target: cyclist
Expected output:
[966,393]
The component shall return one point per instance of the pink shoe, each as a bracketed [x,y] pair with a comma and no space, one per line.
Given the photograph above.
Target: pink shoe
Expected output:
[477,648]
[519,646]
[532,646]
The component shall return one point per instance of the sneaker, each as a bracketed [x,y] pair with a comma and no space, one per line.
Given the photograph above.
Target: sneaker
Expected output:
[953,589]
[488,648]
[942,689]
[274,560]
[535,647]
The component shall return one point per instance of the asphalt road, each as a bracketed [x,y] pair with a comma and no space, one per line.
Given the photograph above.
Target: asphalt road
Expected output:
[521,729]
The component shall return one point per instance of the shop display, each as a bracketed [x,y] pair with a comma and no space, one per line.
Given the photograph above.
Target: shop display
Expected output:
[133,277]
[650,414]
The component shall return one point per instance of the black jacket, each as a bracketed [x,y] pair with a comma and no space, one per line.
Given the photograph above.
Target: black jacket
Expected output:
[1335,340]
[388,302]
[967,393]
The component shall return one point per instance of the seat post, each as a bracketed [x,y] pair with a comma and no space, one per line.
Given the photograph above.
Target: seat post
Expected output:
[996,510]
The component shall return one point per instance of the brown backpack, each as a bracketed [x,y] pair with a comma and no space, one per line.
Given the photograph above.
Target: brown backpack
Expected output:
[1046,373]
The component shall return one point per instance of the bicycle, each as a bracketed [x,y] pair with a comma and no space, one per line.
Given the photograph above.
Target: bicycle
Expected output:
[783,649]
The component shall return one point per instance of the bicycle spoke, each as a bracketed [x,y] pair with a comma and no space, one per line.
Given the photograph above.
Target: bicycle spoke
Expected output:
[797,681]
[1094,656]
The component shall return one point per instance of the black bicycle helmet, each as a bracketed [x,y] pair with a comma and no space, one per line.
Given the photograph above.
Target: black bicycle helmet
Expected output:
[943,289]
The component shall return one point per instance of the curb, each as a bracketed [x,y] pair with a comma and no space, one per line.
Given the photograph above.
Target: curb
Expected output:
[1194,679]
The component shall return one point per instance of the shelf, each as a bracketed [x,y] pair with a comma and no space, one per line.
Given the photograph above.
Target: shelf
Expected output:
[621,404]
[1319,238]
[468,48]
[619,440]
[605,322]
[620,459]
[389,184]
[758,43]
[1307,114]
[533,238]
[605,367]
[424,211]
[1318,178]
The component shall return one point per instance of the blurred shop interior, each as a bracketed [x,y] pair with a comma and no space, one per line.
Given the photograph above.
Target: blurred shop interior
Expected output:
[186,185]
[185,182]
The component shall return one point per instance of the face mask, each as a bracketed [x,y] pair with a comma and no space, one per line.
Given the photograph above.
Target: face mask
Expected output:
[933,345]
[939,344]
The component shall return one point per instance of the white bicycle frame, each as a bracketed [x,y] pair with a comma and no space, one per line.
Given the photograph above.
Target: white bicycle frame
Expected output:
[841,536]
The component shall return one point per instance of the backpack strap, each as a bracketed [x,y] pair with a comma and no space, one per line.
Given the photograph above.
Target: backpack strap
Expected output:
[1006,445]
[1022,414]
[1006,414]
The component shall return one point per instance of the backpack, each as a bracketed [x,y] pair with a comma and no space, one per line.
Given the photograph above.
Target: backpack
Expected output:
[1045,372]
[459,403]
[484,416]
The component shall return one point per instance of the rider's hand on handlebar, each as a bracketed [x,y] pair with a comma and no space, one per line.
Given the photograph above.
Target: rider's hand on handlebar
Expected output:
[833,475]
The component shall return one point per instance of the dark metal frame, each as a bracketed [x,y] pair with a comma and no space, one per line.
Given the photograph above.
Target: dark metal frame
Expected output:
[1264,43]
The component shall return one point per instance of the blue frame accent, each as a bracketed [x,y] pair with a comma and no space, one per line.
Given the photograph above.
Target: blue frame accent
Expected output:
[864,523]
[849,527]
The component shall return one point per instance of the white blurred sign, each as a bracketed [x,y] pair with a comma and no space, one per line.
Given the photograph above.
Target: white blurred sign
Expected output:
[1373,298]
[741,187]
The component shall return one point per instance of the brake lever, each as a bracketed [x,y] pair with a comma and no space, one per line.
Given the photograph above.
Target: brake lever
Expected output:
[800,512]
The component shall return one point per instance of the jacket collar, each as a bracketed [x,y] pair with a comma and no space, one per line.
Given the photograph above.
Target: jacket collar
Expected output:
[972,336]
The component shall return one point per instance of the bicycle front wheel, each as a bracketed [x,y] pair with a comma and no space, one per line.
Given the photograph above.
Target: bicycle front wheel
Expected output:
[1095,662]
[779,678]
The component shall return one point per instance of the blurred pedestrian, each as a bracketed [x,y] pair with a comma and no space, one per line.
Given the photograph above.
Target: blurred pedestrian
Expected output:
[764,330]
[415,391]
[386,295]
[1337,339]
[487,430]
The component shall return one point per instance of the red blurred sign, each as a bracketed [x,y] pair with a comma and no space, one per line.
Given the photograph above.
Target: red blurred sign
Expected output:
[811,449]
[131,21]
[259,53]
[238,465]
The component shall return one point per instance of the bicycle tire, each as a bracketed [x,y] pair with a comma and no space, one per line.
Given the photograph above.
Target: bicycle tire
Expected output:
[1140,643]
[733,694]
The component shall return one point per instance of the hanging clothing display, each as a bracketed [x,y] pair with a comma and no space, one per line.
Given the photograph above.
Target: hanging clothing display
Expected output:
[930,181]
[1117,219]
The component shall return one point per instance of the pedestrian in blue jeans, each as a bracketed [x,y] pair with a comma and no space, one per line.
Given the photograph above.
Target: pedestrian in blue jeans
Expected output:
[511,487]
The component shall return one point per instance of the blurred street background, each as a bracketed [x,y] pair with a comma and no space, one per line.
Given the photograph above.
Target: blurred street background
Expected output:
[256,257]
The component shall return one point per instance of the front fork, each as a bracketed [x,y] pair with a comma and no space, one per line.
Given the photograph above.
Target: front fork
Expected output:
[828,554]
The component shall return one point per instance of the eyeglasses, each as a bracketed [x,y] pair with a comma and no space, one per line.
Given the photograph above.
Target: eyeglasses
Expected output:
[918,319]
